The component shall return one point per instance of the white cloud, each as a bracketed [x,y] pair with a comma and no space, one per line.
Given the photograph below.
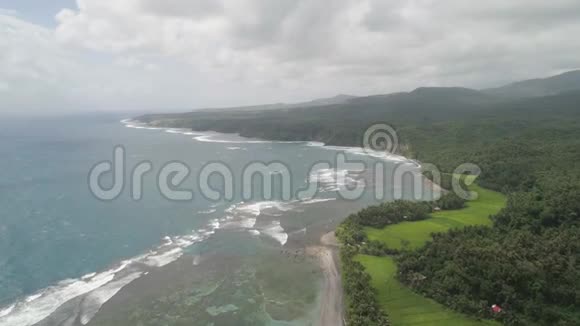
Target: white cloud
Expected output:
[31,65]
[180,54]
[354,39]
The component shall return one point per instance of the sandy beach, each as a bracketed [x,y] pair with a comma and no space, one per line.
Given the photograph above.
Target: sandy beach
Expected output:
[331,303]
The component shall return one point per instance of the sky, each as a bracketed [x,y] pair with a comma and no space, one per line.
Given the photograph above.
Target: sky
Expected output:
[176,55]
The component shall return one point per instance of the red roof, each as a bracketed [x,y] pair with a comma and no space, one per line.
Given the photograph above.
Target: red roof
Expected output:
[496,309]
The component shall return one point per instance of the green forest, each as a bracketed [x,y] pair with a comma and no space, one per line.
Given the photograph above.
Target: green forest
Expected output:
[375,237]
[526,258]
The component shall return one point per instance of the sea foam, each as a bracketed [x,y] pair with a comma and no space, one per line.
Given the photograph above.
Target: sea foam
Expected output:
[276,231]
[382,155]
[246,215]
[99,287]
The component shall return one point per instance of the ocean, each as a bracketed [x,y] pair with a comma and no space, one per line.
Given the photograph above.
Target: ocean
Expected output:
[68,257]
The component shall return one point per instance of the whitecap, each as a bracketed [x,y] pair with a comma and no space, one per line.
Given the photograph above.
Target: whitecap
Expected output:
[210,137]
[29,313]
[245,215]
[248,223]
[95,300]
[165,258]
[257,207]
[35,308]
[209,211]
[7,310]
[88,276]
[276,231]
[382,155]
[333,179]
[315,144]
[315,201]
[33,297]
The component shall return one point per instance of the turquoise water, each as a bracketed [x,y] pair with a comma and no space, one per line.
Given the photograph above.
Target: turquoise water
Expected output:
[55,235]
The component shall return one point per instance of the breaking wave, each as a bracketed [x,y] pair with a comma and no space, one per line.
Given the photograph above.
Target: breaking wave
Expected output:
[386,156]
[97,288]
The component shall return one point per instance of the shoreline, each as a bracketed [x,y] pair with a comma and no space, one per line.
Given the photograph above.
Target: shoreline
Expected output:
[331,303]
[320,247]
[324,254]
[325,251]
[207,134]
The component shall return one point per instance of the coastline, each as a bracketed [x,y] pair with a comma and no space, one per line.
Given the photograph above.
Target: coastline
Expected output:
[207,136]
[322,247]
[323,255]
[327,251]
[170,255]
[331,304]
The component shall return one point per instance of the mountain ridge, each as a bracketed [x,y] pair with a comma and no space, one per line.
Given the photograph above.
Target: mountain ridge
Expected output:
[530,88]
[538,87]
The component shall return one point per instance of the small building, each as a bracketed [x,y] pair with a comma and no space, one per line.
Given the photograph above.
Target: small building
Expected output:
[496,309]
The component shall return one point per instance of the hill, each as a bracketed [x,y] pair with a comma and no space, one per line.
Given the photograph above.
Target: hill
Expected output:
[338,99]
[539,87]
[345,123]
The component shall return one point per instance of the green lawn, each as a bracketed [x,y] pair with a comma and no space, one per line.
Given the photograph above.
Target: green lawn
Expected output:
[477,212]
[403,305]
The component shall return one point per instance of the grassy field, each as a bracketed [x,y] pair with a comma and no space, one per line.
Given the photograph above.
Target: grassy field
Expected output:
[417,234]
[403,305]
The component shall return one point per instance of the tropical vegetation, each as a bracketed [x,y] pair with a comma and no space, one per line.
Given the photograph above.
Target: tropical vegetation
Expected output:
[525,258]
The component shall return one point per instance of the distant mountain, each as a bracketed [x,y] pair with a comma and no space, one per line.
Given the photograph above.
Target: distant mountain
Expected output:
[338,120]
[338,99]
[434,103]
[458,95]
[565,82]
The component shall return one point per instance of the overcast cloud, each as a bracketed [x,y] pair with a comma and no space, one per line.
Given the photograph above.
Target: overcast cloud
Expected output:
[178,54]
